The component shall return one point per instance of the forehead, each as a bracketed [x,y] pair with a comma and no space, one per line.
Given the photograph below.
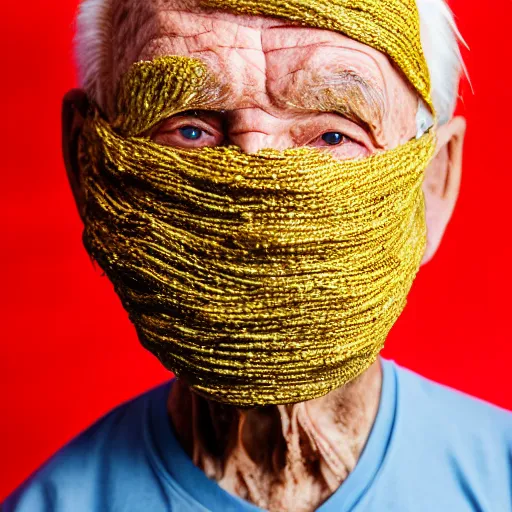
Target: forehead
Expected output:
[251,53]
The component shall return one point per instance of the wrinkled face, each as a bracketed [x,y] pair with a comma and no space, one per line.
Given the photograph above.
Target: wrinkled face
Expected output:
[285,86]
[280,87]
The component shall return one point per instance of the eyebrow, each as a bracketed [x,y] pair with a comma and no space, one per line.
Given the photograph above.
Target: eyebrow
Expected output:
[345,93]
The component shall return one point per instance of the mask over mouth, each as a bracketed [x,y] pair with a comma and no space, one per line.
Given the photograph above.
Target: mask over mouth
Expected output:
[259,279]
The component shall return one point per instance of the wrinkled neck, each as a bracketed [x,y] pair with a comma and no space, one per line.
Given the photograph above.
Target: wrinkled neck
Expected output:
[285,457]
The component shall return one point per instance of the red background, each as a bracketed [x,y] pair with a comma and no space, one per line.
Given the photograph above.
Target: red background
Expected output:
[68,353]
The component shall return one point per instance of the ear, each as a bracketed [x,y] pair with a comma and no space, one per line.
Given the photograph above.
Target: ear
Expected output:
[75,106]
[442,182]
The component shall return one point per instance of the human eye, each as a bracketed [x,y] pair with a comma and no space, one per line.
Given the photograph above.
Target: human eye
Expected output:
[333,139]
[339,144]
[189,130]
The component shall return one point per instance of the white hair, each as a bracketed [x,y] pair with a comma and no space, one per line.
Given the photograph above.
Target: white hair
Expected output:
[439,37]
[92,50]
[440,40]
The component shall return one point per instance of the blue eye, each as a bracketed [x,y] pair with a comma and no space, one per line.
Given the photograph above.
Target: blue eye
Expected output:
[332,138]
[191,132]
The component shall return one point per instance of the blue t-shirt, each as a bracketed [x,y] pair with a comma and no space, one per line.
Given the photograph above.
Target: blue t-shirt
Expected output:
[431,449]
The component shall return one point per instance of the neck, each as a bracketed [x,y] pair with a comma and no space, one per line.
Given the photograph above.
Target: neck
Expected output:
[284,457]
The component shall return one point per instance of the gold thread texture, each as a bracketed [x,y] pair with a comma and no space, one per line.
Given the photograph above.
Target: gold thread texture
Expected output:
[259,279]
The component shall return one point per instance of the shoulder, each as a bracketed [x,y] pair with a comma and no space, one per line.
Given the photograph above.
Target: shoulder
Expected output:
[453,410]
[462,443]
[77,473]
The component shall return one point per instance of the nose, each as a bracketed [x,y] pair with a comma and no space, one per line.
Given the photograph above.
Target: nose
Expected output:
[251,142]
[254,129]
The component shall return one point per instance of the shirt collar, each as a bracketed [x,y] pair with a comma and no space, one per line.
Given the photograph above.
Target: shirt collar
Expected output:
[177,469]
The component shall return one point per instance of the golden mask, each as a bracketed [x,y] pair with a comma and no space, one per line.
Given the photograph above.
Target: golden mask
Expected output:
[259,279]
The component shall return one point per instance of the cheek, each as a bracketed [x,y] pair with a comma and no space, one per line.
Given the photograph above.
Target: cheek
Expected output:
[349,151]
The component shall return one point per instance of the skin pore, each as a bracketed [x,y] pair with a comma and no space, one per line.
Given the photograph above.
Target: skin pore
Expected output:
[286,86]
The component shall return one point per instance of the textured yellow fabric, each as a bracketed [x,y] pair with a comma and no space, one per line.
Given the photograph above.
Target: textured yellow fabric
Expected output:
[390,26]
[259,279]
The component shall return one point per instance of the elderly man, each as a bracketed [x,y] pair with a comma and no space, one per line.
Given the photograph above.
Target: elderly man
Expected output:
[261,182]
